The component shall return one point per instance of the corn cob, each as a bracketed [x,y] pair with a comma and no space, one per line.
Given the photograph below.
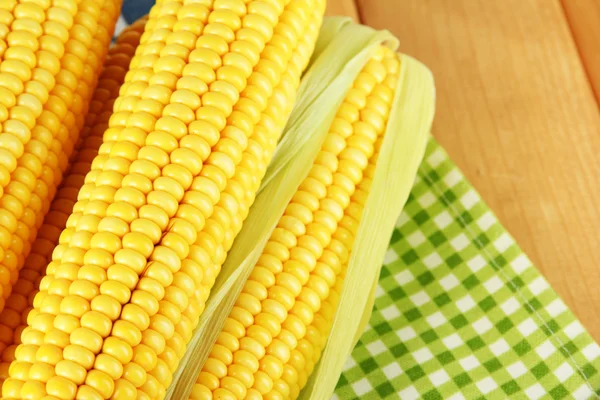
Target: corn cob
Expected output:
[279,325]
[128,280]
[174,350]
[13,319]
[54,52]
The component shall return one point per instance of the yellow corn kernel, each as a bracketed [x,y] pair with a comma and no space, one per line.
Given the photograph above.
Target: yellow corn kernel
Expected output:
[280,322]
[197,120]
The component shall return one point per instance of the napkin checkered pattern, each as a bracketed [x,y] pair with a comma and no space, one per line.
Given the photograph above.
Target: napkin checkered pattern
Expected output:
[461,313]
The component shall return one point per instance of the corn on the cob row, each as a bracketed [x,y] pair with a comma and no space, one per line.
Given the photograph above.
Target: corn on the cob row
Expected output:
[274,116]
[24,34]
[35,34]
[213,80]
[13,319]
[317,333]
[274,335]
[63,45]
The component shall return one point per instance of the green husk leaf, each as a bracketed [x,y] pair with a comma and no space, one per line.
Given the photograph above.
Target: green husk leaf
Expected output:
[401,153]
[331,73]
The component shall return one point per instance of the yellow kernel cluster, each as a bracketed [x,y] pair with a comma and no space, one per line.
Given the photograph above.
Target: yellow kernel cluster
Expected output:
[51,55]
[13,319]
[188,110]
[199,114]
[376,109]
[279,325]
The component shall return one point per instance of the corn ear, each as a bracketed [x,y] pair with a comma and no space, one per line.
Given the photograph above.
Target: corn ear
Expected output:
[321,93]
[402,151]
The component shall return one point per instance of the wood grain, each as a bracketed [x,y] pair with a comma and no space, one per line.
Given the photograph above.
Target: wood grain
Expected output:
[584,20]
[516,113]
[343,7]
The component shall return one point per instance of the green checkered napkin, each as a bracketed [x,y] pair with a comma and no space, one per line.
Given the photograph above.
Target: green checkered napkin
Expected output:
[461,313]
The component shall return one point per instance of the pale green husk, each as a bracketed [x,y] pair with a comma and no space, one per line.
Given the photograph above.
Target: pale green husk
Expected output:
[341,51]
[401,153]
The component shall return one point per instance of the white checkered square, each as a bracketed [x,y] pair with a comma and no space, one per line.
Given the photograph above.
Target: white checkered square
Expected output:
[503,242]
[517,369]
[487,385]
[436,158]
[486,221]
[482,325]
[426,200]
[392,370]
[583,393]
[510,306]
[538,286]
[439,377]
[402,220]
[390,256]
[469,362]
[422,355]
[564,372]
[469,199]
[535,392]
[420,298]
[404,277]
[410,393]
[377,347]
[493,284]
[591,351]
[405,334]
[465,304]
[556,308]
[443,220]
[361,387]
[520,264]
[449,282]
[476,263]
[436,319]
[574,329]
[460,242]
[499,347]
[349,364]
[432,261]
[452,178]
[453,341]
[416,239]
[390,313]
[545,349]
[527,327]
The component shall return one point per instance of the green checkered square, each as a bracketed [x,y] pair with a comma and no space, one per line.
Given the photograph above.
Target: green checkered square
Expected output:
[460,311]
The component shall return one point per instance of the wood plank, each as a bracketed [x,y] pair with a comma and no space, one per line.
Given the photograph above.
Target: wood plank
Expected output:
[516,113]
[343,7]
[584,19]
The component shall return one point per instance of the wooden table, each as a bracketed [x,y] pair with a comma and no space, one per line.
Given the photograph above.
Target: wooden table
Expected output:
[516,111]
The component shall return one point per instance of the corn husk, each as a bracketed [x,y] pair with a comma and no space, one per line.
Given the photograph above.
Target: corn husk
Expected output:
[342,49]
[401,153]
